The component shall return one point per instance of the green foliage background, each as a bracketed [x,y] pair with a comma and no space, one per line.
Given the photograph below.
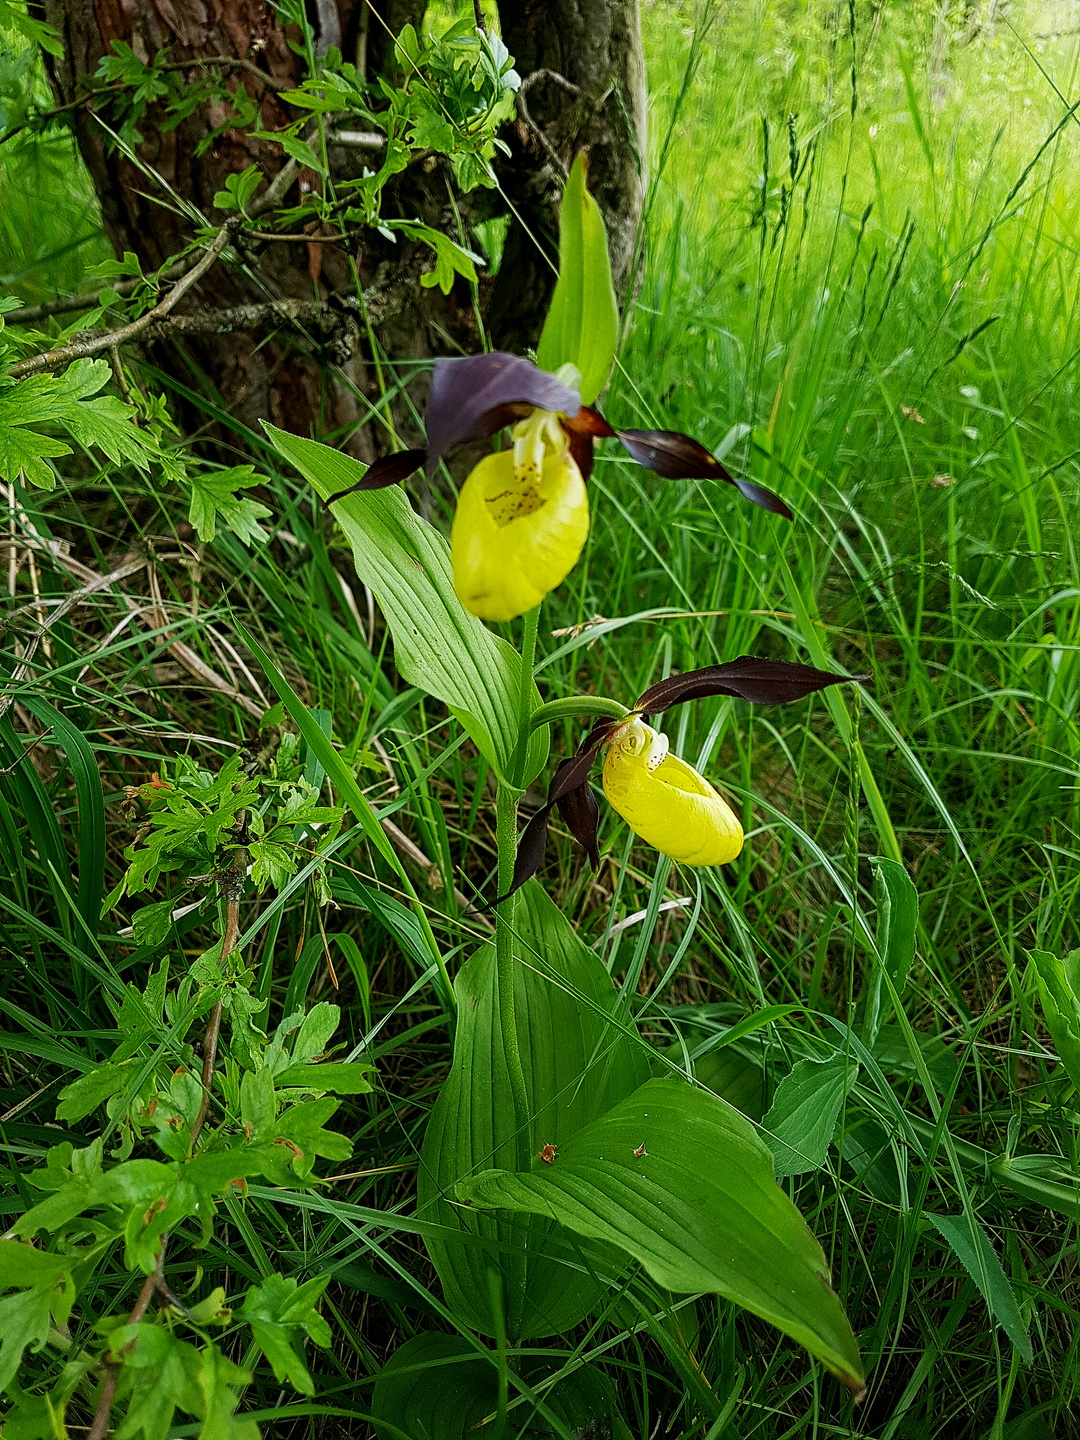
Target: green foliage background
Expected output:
[860,287]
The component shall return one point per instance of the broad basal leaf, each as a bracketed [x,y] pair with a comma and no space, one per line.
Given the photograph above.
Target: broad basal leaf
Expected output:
[681,1182]
[582,325]
[578,1062]
[434,1387]
[438,645]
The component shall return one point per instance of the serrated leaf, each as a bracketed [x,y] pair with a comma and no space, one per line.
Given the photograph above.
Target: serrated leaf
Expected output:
[437,644]
[23,454]
[971,1245]
[302,152]
[342,1079]
[582,325]
[681,1181]
[280,1313]
[150,924]
[84,1095]
[214,498]
[801,1122]
[26,1316]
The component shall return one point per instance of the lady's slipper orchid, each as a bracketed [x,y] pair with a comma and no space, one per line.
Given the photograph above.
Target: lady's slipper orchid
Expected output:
[522,519]
[666,801]
[523,515]
[662,798]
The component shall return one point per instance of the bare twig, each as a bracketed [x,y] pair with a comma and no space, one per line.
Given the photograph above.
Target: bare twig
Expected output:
[232,886]
[274,193]
[89,299]
[357,139]
[100,1425]
[79,349]
[523,110]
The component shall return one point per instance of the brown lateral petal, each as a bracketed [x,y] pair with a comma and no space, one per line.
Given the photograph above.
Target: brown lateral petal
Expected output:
[579,810]
[587,426]
[530,853]
[473,397]
[387,471]
[763,682]
[589,422]
[581,813]
[675,456]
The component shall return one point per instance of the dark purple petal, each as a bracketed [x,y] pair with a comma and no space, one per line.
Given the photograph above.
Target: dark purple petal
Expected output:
[581,813]
[387,471]
[584,429]
[765,498]
[675,456]
[764,682]
[574,772]
[472,398]
[530,853]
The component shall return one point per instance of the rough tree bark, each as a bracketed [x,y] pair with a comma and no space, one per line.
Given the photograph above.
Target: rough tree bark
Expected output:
[593,47]
[597,100]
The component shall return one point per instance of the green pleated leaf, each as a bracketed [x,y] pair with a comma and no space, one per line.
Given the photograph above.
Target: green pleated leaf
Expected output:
[434,1387]
[438,645]
[578,1062]
[582,325]
[897,904]
[90,800]
[681,1182]
[1058,984]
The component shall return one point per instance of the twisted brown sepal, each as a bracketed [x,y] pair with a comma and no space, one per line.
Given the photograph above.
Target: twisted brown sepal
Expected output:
[763,682]
[571,793]
[584,429]
[675,456]
[387,471]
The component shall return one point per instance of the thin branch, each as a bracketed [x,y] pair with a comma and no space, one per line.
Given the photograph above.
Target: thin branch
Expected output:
[228,62]
[90,299]
[357,139]
[232,885]
[523,110]
[301,239]
[273,194]
[100,1425]
[79,349]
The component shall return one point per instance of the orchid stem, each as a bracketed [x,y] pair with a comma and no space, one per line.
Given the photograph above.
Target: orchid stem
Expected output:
[506,834]
[525,693]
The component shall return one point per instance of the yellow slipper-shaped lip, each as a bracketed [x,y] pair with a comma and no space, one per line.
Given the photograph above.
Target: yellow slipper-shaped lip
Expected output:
[518,531]
[666,801]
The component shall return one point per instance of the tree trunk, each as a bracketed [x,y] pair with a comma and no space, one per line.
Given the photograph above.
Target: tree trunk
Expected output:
[153,201]
[583,88]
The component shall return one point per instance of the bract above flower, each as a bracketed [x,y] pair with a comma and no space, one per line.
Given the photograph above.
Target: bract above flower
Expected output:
[521,521]
[666,801]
